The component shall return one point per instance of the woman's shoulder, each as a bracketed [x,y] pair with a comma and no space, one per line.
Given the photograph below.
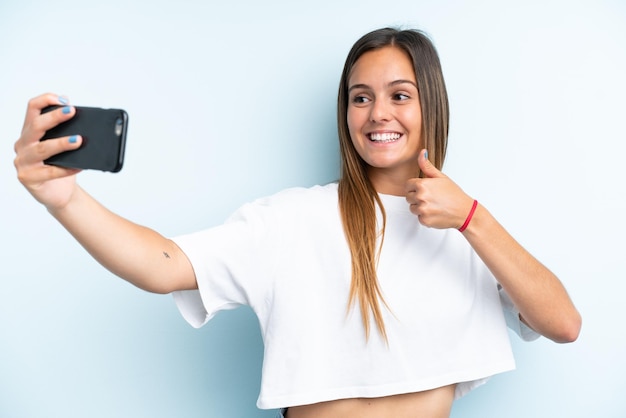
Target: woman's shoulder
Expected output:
[318,194]
[289,203]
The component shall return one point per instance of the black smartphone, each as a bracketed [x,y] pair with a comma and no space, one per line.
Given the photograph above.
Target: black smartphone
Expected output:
[104,139]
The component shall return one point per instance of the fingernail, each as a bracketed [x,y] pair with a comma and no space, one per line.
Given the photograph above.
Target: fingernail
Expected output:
[426,155]
[63,100]
[73,139]
[66,109]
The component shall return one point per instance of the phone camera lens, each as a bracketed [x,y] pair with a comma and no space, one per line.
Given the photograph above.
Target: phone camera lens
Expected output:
[118,126]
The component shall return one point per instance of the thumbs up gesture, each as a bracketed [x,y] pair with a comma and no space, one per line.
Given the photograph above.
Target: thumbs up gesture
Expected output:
[436,199]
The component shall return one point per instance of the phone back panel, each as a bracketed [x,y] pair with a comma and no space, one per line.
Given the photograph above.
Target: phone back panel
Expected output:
[104,139]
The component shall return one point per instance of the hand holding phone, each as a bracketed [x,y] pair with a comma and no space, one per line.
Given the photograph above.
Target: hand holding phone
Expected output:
[104,139]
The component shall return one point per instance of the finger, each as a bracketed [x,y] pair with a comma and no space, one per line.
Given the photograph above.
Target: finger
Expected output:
[36,123]
[39,151]
[38,126]
[36,104]
[413,210]
[427,167]
[411,186]
[413,191]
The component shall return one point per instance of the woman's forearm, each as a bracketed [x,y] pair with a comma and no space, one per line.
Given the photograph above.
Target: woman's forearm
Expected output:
[135,253]
[539,295]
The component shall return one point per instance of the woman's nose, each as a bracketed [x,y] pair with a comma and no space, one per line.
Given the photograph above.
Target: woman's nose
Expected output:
[381,111]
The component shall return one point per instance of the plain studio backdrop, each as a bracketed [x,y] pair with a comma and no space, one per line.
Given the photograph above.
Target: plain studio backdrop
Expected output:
[229,101]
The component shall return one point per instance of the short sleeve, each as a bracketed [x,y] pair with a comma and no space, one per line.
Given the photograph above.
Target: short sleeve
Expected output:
[190,305]
[230,263]
[513,321]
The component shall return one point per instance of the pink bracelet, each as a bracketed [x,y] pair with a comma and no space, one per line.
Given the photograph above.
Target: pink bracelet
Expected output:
[469,217]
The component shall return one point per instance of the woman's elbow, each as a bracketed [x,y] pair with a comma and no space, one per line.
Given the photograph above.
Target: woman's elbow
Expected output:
[569,330]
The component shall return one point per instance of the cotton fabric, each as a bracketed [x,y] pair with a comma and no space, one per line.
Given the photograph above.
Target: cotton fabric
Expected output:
[287,258]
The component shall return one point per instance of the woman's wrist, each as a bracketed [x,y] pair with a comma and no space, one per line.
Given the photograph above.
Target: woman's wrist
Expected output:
[469,217]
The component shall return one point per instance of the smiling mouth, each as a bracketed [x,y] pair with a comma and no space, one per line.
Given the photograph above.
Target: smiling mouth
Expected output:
[384,137]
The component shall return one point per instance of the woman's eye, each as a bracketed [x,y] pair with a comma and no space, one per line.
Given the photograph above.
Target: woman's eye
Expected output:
[360,99]
[400,96]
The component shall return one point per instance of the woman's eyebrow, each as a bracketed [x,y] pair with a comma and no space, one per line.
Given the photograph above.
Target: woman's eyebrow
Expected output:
[396,82]
[358,86]
[391,84]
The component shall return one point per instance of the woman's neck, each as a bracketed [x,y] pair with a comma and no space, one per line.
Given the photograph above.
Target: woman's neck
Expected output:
[389,182]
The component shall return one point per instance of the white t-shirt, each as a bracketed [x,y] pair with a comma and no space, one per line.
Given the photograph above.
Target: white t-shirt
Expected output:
[287,258]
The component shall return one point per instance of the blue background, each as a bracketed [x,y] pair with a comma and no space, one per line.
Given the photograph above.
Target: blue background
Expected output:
[229,101]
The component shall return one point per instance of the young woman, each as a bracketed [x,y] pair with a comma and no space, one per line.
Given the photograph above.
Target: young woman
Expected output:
[386,294]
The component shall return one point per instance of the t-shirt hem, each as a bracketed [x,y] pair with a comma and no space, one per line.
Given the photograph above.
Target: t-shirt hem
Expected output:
[466,382]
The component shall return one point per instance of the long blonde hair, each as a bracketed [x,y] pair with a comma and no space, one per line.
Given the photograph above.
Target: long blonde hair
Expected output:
[357,196]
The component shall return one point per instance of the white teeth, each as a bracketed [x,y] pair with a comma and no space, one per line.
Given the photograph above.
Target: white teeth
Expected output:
[384,137]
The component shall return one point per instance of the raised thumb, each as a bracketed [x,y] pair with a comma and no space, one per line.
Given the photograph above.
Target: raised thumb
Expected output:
[427,167]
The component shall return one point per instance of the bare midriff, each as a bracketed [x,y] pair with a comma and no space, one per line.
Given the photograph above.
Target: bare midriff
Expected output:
[435,403]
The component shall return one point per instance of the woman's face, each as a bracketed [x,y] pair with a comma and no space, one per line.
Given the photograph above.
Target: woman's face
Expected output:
[385,117]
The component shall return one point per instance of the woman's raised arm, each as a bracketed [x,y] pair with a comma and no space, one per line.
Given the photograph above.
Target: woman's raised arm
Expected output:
[136,253]
[536,292]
